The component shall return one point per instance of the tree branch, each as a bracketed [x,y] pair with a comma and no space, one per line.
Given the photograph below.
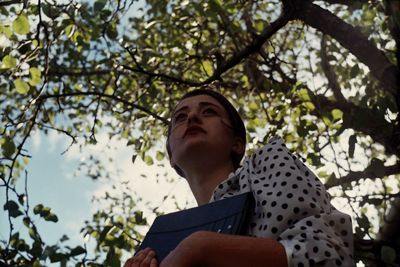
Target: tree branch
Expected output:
[369,172]
[162,76]
[365,120]
[73,138]
[253,47]
[346,2]
[14,162]
[103,95]
[353,40]
[77,72]
[248,50]
[330,73]
[11,2]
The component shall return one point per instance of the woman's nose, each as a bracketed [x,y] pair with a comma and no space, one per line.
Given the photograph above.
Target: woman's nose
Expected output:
[193,116]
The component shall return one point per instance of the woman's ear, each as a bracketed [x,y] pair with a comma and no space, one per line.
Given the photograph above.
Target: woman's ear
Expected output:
[238,146]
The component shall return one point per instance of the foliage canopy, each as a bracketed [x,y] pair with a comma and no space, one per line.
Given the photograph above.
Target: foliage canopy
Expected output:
[322,74]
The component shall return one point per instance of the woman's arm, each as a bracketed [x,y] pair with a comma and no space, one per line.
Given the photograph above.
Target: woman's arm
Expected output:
[213,249]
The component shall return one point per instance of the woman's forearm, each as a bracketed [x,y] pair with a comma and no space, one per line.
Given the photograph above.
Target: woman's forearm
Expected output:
[214,249]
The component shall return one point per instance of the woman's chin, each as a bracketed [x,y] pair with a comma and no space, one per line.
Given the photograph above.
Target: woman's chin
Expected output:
[194,148]
[194,139]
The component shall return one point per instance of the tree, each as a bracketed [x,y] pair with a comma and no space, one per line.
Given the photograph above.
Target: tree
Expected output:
[322,74]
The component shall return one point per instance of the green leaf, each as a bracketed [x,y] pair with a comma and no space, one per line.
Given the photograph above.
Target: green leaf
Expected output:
[352,145]
[69,30]
[64,238]
[46,9]
[148,160]
[355,70]
[25,48]
[331,178]
[56,257]
[37,209]
[26,221]
[315,159]
[253,106]
[50,10]
[326,120]
[160,155]
[130,142]
[105,13]
[21,199]
[337,114]
[309,105]
[34,234]
[109,90]
[21,24]
[35,76]
[363,222]
[8,147]
[14,240]
[9,62]
[99,5]
[6,30]
[21,86]
[104,233]
[134,156]
[77,251]
[112,31]
[51,218]
[13,208]
[208,67]
[215,5]
[303,95]
[139,219]
[45,212]
[112,259]
[36,249]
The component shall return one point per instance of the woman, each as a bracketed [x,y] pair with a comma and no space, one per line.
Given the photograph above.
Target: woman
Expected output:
[293,223]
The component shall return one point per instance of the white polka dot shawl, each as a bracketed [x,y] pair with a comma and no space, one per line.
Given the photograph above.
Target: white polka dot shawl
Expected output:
[292,207]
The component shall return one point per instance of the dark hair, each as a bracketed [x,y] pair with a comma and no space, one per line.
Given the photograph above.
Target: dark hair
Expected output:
[236,121]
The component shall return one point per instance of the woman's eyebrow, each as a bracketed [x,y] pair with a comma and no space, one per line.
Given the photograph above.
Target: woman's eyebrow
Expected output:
[180,109]
[201,104]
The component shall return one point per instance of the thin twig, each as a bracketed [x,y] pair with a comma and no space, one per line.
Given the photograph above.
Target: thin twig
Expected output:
[103,95]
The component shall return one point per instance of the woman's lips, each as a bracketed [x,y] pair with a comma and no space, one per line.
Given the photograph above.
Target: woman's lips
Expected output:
[192,130]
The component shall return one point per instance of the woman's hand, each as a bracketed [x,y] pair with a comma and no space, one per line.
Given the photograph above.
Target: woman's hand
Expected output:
[186,254]
[144,258]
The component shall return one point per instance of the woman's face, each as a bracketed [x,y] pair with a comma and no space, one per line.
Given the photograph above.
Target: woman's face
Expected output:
[200,126]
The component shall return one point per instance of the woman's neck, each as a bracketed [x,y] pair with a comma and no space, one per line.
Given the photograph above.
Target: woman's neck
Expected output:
[203,181]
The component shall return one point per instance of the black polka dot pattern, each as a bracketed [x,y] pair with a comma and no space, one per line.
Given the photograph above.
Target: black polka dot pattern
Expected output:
[292,207]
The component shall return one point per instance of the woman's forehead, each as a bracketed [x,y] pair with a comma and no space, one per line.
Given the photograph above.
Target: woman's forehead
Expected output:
[194,101]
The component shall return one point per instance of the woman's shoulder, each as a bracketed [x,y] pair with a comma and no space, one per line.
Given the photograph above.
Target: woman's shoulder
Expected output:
[274,143]
[274,147]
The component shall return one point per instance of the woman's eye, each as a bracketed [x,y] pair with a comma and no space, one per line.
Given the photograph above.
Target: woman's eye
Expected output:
[209,111]
[180,117]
